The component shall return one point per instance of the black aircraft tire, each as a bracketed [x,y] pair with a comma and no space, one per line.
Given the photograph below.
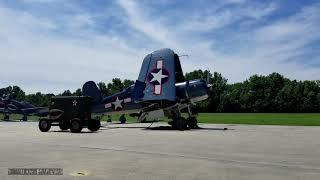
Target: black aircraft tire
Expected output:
[180,124]
[98,124]
[24,118]
[192,122]
[44,125]
[171,123]
[75,125]
[63,125]
[6,118]
[122,119]
[94,125]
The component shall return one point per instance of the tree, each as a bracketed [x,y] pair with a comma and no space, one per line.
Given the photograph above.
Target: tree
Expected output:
[5,91]
[103,88]
[115,86]
[219,84]
[271,93]
[66,93]
[127,83]
[39,99]
[78,92]
[18,93]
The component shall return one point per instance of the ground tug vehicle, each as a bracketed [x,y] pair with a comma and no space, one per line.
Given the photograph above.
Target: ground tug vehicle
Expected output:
[70,112]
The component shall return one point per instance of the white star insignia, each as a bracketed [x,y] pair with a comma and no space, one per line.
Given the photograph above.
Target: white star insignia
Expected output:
[74,103]
[117,103]
[158,76]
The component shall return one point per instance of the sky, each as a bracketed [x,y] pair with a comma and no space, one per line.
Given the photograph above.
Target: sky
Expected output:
[54,45]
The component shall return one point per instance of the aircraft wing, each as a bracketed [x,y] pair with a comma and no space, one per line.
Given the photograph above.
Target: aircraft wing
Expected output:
[3,110]
[38,111]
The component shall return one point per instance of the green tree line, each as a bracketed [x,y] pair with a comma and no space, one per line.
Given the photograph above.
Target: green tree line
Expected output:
[271,93]
[43,100]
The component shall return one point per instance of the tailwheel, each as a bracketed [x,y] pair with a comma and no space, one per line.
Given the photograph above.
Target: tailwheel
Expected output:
[192,122]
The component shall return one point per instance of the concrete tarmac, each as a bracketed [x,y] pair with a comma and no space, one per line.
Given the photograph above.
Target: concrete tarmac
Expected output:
[135,152]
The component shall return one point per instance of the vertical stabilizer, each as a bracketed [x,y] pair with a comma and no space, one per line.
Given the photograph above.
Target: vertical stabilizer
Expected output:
[158,72]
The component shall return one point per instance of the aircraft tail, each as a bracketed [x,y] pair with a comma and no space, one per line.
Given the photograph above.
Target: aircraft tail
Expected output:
[160,71]
[91,89]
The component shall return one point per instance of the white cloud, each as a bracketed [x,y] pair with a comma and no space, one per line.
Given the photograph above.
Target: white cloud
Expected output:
[153,29]
[289,36]
[43,1]
[216,18]
[50,54]
[37,61]
[263,50]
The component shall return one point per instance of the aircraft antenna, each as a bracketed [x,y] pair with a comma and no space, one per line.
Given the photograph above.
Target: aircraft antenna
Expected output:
[184,55]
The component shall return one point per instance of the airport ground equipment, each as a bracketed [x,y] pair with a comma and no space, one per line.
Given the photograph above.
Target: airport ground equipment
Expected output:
[70,112]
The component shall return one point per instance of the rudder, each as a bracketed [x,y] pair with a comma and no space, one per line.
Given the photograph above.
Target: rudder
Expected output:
[158,72]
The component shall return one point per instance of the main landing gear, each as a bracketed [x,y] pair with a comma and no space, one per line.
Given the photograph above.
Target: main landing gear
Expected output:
[6,117]
[24,118]
[192,122]
[122,119]
[181,123]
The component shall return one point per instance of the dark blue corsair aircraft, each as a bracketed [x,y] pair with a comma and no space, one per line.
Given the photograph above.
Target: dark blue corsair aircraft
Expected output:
[9,106]
[161,90]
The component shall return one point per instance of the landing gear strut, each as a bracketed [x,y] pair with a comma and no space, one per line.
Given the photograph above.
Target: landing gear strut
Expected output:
[6,117]
[192,122]
[181,123]
[122,119]
[109,119]
[24,118]
[192,119]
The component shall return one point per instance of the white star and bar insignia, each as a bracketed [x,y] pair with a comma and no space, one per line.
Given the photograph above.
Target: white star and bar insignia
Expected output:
[157,77]
[117,103]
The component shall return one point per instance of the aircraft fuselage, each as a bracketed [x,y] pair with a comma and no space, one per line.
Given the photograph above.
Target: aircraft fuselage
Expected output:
[123,103]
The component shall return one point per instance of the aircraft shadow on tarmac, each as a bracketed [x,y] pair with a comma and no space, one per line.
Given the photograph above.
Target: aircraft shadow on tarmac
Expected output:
[163,128]
[12,120]
[158,128]
[171,128]
[82,132]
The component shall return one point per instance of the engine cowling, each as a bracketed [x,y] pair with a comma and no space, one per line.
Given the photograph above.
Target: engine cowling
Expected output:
[193,91]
